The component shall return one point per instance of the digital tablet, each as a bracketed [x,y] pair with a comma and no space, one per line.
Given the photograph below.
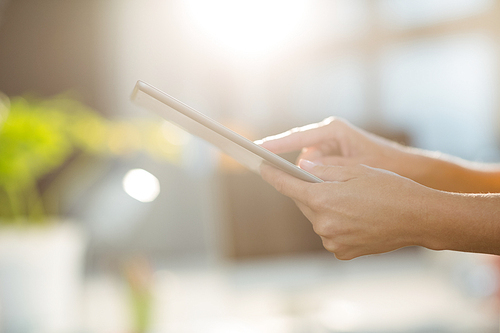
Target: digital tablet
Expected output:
[238,147]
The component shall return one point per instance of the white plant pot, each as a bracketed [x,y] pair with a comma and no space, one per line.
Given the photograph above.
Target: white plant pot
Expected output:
[41,278]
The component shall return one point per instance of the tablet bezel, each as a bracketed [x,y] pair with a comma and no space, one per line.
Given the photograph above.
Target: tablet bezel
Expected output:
[239,147]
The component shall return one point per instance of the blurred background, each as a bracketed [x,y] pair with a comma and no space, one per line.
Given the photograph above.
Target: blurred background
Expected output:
[112,220]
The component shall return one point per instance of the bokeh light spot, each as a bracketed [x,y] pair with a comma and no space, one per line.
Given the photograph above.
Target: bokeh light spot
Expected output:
[141,185]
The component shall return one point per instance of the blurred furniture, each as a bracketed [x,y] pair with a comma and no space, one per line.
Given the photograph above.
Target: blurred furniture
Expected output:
[262,221]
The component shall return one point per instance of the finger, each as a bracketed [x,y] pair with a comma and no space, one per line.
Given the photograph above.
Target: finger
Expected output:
[337,160]
[297,138]
[311,154]
[284,183]
[315,155]
[328,172]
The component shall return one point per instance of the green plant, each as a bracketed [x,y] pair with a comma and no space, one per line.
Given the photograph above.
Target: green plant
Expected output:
[39,137]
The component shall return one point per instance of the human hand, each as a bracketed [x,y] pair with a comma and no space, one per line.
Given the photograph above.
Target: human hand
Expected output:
[336,142]
[358,210]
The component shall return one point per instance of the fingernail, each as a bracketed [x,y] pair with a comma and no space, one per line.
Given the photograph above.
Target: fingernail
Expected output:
[306,164]
[259,142]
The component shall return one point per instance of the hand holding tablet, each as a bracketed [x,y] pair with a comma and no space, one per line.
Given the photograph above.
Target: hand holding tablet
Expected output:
[241,149]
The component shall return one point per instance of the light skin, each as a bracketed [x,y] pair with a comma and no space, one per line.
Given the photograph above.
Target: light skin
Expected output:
[379,196]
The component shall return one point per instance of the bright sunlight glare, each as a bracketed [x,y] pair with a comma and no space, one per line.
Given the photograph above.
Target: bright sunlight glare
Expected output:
[141,185]
[248,27]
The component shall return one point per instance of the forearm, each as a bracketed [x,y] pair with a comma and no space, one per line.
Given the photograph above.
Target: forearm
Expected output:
[447,173]
[461,222]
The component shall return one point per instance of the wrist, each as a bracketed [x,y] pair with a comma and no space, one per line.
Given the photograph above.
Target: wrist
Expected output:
[426,227]
[451,174]
[435,170]
[412,163]
[461,222]
[436,220]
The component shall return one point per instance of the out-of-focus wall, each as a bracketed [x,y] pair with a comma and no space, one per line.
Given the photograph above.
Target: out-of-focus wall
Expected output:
[48,47]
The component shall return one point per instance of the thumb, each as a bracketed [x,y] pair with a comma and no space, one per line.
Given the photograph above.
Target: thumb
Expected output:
[328,172]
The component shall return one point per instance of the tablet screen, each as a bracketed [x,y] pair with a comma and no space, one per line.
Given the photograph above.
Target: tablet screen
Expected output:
[238,147]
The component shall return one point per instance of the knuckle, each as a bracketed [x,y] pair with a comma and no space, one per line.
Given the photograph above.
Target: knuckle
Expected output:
[279,184]
[331,246]
[326,227]
[314,203]
[340,252]
[338,127]
[321,228]
[329,120]
[336,122]
[317,201]
[344,256]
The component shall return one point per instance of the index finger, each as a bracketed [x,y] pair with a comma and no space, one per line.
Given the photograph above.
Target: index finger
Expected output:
[284,183]
[297,138]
